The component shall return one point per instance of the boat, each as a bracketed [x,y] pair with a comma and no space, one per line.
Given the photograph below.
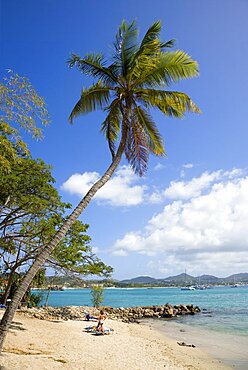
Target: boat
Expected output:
[235,285]
[188,288]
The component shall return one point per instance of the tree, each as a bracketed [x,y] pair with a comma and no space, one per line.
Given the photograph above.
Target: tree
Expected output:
[96,295]
[30,299]
[30,213]
[127,89]
[21,108]
[28,203]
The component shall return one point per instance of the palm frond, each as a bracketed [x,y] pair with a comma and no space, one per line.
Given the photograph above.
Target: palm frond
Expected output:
[171,103]
[154,139]
[178,65]
[143,138]
[95,97]
[167,67]
[136,149]
[151,44]
[93,65]
[125,46]
[152,34]
[111,125]
[150,47]
[168,44]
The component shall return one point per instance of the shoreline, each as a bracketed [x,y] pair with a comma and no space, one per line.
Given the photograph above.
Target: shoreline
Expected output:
[230,349]
[38,344]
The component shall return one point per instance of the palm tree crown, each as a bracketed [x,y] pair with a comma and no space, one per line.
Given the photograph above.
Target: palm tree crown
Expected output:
[132,85]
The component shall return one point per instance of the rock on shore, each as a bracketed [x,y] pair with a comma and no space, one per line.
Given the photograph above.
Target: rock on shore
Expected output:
[131,314]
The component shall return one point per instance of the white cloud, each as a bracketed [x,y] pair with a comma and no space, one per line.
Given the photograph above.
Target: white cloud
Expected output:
[123,188]
[185,166]
[188,165]
[131,242]
[120,253]
[187,190]
[155,197]
[209,229]
[219,264]
[120,190]
[159,167]
[80,183]
[235,172]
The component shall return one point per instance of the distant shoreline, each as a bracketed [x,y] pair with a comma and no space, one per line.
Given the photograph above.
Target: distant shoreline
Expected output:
[138,287]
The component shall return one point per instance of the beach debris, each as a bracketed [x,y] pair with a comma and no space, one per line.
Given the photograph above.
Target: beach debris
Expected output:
[186,345]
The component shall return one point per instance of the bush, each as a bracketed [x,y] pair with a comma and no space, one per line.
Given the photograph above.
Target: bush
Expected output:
[34,299]
[97,295]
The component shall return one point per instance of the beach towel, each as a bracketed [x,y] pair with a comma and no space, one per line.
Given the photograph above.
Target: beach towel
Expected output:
[93,330]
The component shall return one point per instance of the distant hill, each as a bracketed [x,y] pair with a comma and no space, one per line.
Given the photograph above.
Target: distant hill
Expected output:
[140,279]
[177,280]
[180,278]
[204,279]
[183,279]
[237,278]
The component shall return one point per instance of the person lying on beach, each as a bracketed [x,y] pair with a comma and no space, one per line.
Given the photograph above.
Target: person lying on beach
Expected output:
[94,330]
[89,317]
[101,319]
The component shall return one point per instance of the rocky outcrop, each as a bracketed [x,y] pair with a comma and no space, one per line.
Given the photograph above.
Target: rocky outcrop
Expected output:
[136,313]
[131,314]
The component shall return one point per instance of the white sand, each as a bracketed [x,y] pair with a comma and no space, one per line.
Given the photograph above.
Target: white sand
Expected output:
[36,344]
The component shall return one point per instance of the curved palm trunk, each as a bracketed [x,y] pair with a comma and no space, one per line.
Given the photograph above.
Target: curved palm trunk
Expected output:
[11,275]
[7,289]
[44,254]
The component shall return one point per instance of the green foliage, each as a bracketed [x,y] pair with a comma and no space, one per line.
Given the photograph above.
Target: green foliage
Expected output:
[97,295]
[31,212]
[21,108]
[29,299]
[29,187]
[74,253]
[10,150]
[40,278]
[33,299]
[28,202]
[133,84]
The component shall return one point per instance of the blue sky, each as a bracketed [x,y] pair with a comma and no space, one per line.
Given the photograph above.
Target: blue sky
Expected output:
[190,209]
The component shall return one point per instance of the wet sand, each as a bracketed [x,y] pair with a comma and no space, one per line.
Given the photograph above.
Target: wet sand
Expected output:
[227,348]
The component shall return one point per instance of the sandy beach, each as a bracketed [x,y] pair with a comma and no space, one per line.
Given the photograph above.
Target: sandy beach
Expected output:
[38,344]
[228,348]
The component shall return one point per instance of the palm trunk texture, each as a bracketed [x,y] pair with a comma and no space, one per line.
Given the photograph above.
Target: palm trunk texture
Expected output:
[7,289]
[44,254]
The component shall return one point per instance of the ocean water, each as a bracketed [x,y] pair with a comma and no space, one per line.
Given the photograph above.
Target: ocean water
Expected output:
[224,309]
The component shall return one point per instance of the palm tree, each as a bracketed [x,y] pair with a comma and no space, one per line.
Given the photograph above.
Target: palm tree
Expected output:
[127,89]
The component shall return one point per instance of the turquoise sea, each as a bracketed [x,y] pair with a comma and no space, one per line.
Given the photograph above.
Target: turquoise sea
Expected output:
[224,309]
